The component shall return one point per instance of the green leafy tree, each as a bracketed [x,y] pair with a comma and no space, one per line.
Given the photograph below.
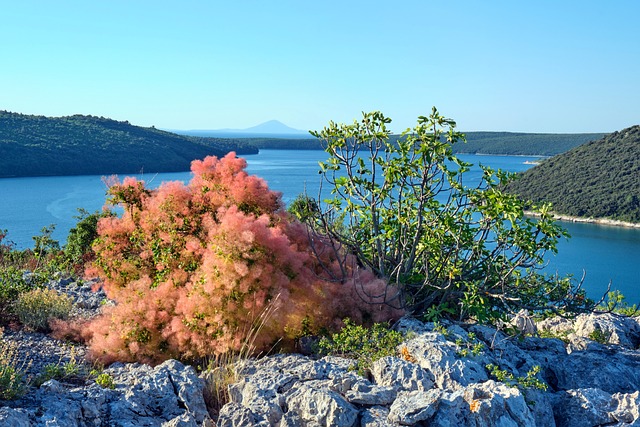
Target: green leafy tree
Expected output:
[405,212]
[78,248]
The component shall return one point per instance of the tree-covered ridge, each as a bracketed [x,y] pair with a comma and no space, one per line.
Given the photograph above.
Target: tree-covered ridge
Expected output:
[78,145]
[523,144]
[508,143]
[600,179]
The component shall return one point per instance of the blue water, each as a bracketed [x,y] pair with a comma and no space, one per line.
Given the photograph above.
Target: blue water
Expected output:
[605,253]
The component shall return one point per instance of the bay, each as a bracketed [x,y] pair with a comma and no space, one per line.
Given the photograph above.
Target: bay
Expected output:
[605,253]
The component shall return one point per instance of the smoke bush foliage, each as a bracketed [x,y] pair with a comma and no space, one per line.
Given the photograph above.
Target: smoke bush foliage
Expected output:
[192,266]
[450,249]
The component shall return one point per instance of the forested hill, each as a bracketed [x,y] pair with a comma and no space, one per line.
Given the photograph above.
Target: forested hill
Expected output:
[525,144]
[79,145]
[600,179]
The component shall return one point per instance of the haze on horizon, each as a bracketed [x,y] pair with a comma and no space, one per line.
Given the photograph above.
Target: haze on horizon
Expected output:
[552,67]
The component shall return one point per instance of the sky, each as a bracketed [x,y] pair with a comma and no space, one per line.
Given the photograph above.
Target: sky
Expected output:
[521,66]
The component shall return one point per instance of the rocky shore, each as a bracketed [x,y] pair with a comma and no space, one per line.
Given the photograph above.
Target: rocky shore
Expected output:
[440,376]
[589,220]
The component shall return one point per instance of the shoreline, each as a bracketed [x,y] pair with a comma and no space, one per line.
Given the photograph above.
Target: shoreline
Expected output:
[588,220]
[541,156]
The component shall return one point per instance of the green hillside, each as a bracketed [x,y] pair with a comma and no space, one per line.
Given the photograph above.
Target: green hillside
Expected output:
[523,144]
[82,145]
[600,179]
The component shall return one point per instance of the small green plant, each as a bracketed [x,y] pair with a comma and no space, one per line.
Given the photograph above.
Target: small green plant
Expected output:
[37,307]
[441,329]
[471,347]
[561,335]
[13,383]
[105,380]
[529,381]
[366,345]
[437,312]
[600,336]
[62,371]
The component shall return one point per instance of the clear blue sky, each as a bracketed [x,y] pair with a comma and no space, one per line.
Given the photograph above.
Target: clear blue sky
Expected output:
[533,66]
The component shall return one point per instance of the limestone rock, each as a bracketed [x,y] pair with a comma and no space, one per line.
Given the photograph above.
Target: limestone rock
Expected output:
[488,404]
[614,329]
[403,375]
[365,393]
[593,407]
[412,407]
[439,356]
[375,417]
[605,369]
[236,415]
[170,394]
[14,417]
[320,407]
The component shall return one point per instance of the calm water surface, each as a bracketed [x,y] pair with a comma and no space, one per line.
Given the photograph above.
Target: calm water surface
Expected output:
[605,253]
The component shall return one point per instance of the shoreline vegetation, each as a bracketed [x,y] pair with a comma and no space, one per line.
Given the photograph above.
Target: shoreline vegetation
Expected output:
[588,220]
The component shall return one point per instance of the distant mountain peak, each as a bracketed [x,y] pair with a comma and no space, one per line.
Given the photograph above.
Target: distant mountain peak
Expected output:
[272,126]
[269,129]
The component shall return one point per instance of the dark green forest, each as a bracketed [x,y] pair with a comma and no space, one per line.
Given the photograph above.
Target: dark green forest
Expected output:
[81,145]
[600,179]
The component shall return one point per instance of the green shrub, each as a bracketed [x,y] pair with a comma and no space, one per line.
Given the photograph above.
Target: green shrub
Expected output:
[12,284]
[105,380]
[449,249]
[365,345]
[78,248]
[24,270]
[37,307]
[12,377]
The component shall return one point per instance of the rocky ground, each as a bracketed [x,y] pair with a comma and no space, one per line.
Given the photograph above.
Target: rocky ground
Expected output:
[591,366]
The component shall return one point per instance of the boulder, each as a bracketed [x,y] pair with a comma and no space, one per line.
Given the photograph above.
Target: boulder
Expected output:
[412,407]
[236,415]
[401,374]
[375,417]
[609,328]
[594,407]
[14,417]
[484,405]
[434,353]
[317,406]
